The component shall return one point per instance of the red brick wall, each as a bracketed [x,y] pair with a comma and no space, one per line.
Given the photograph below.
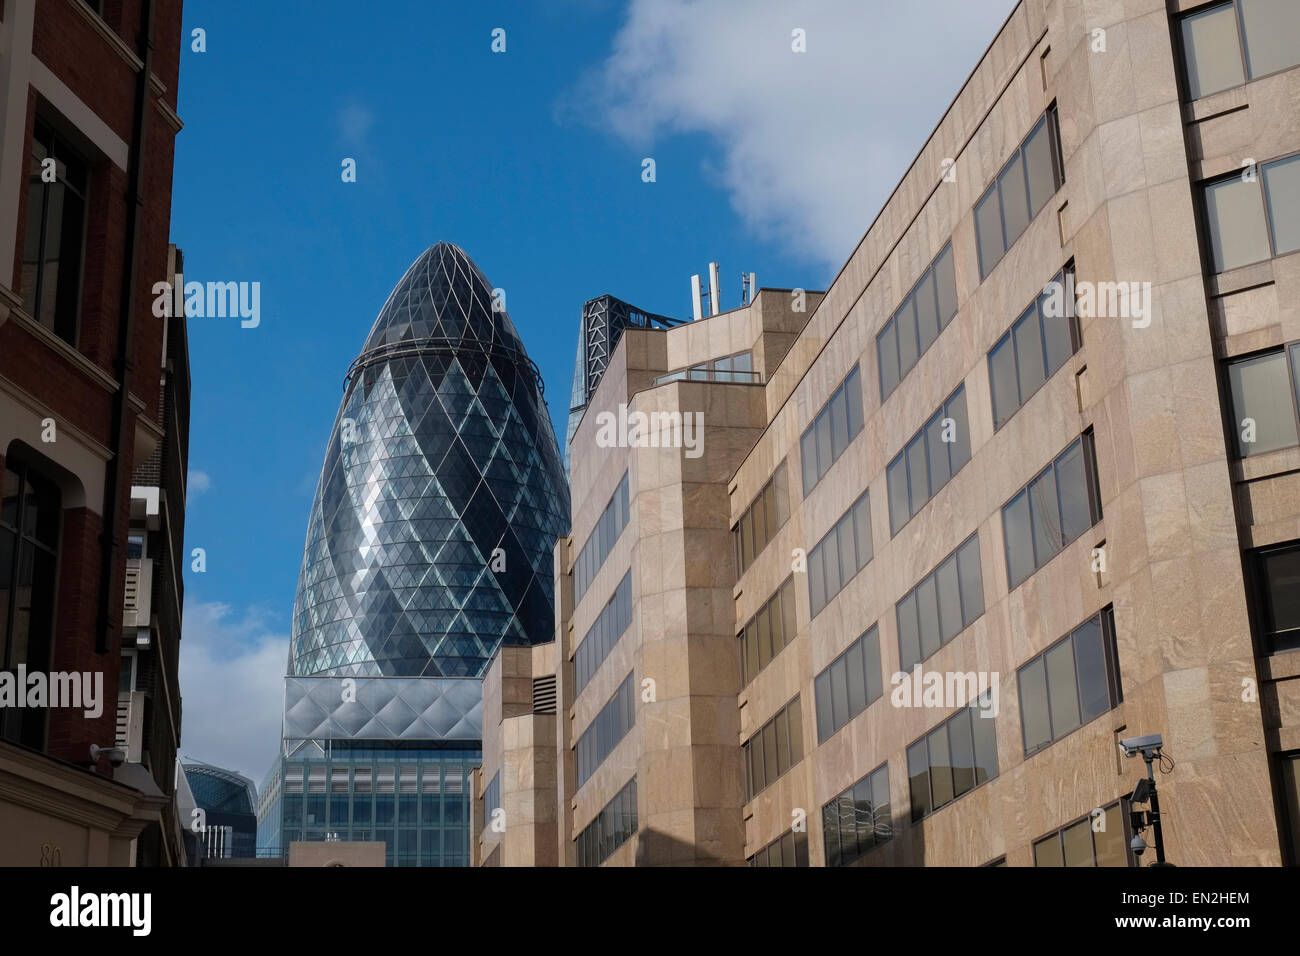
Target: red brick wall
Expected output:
[70,732]
[97,74]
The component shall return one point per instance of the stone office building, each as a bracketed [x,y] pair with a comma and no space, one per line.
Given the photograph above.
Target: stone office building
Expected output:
[1040,433]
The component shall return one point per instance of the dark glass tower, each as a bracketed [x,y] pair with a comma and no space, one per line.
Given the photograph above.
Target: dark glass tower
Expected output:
[429,543]
[228,802]
[603,320]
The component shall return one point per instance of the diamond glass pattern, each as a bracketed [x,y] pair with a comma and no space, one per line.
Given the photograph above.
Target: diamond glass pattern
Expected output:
[442,453]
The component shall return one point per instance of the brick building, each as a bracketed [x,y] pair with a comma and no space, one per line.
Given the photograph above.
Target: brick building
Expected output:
[94,409]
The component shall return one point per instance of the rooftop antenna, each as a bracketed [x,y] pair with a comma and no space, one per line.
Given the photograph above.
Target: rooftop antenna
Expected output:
[713,288]
[695,296]
[748,288]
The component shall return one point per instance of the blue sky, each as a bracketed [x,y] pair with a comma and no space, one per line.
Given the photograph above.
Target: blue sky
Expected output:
[531,160]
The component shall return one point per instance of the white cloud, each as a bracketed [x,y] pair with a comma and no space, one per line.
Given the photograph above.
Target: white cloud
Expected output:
[232,683]
[811,144]
[198,482]
[354,120]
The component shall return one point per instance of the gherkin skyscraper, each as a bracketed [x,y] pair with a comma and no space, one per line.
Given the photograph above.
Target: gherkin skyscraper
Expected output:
[441,496]
[429,543]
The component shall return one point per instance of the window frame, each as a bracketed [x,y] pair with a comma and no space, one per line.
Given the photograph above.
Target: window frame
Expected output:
[921,436]
[1123,807]
[774,609]
[1114,682]
[771,492]
[831,807]
[828,672]
[17,464]
[811,436]
[1092,481]
[756,743]
[602,538]
[913,595]
[924,740]
[820,594]
[1051,117]
[1261,192]
[58,146]
[1065,278]
[890,326]
[1290,352]
[1262,604]
[1182,59]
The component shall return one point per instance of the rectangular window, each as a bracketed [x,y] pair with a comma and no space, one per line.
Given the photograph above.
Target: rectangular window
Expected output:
[767,632]
[926,311]
[1098,839]
[1029,179]
[858,820]
[841,554]
[1056,507]
[603,735]
[1212,59]
[932,456]
[730,368]
[1253,220]
[1215,58]
[953,759]
[604,634]
[56,225]
[820,445]
[614,825]
[1282,197]
[30,520]
[764,760]
[492,797]
[1277,576]
[944,603]
[849,685]
[788,850]
[1291,790]
[1034,348]
[765,516]
[1069,684]
[601,540]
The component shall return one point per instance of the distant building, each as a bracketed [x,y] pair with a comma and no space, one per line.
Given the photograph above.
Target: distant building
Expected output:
[429,546]
[228,802]
[602,323]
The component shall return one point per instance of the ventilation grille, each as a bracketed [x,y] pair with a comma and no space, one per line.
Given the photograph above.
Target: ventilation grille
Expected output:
[544,695]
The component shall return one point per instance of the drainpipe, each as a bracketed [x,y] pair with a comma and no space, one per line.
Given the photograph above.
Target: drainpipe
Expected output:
[115,478]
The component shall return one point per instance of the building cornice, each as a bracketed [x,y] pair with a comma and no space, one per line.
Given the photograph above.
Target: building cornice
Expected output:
[55,788]
[66,351]
[118,46]
[41,410]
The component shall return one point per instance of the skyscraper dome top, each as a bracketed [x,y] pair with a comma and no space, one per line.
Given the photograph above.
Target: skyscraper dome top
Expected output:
[443,300]
[441,495]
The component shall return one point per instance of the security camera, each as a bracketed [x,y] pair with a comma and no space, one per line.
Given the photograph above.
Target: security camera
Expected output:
[1137,845]
[1147,746]
[116,755]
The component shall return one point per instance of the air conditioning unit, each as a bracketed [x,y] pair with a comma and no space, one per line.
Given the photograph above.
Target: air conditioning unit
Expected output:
[137,603]
[130,723]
